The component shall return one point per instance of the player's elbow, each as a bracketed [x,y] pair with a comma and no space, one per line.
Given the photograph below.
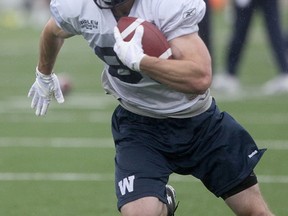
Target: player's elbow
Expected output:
[202,83]
[201,86]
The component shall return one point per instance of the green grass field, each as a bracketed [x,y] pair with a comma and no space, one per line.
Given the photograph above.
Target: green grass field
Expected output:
[62,164]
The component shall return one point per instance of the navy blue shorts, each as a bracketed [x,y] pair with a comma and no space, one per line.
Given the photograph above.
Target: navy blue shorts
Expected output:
[212,147]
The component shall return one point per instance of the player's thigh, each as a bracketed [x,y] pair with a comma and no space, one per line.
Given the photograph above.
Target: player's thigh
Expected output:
[141,169]
[248,202]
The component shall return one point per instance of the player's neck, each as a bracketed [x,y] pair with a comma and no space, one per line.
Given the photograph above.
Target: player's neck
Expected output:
[122,9]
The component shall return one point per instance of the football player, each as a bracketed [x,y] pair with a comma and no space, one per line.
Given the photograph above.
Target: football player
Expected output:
[167,121]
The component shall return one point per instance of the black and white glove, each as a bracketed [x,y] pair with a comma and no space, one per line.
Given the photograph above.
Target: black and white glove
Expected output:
[130,53]
[42,91]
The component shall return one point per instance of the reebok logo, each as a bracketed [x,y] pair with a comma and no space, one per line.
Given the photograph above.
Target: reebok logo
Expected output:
[189,13]
[252,154]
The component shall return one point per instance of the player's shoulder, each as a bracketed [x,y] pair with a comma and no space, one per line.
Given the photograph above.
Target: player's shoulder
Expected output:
[173,11]
[180,7]
[175,18]
[68,8]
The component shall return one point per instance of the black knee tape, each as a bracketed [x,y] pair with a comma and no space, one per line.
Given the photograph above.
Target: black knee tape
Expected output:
[246,183]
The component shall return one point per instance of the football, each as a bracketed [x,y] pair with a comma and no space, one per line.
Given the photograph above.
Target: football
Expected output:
[154,42]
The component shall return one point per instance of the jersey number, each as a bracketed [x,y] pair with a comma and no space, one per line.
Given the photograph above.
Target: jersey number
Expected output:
[116,67]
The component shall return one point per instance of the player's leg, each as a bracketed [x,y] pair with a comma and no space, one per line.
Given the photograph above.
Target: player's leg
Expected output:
[273,26]
[146,206]
[242,21]
[205,28]
[249,202]
[141,171]
[152,206]
[228,81]
[227,168]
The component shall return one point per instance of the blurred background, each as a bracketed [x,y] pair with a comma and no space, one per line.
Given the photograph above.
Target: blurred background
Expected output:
[23,13]
[62,164]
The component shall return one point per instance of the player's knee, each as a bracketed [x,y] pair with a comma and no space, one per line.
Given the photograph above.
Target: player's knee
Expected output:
[147,206]
[260,212]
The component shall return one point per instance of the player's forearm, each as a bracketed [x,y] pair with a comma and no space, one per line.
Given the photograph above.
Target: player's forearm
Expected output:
[181,75]
[50,46]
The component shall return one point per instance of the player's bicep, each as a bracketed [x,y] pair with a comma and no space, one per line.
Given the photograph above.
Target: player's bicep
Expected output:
[190,47]
[192,50]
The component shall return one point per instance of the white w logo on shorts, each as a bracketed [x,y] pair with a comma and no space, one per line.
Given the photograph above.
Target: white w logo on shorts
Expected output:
[126,184]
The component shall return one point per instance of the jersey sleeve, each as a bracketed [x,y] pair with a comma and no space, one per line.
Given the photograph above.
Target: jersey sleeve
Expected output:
[181,18]
[66,13]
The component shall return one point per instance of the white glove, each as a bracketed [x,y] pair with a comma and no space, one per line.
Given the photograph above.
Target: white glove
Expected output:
[42,91]
[131,52]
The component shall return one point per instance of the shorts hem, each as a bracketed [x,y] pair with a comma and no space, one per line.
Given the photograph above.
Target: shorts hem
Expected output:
[239,179]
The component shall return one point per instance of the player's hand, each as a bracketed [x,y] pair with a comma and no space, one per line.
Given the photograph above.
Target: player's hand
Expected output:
[131,52]
[42,91]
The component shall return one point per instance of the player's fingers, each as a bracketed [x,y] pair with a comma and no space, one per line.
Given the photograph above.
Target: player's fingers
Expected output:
[57,90]
[39,106]
[117,35]
[138,34]
[59,95]
[31,91]
[34,101]
[44,107]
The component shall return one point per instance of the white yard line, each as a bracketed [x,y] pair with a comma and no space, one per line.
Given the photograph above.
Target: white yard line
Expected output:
[110,177]
[17,109]
[97,114]
[57,142]
[86,101]
[62,142]
[55,177]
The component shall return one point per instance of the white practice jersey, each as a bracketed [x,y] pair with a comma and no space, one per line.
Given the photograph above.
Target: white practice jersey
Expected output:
[136,91]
